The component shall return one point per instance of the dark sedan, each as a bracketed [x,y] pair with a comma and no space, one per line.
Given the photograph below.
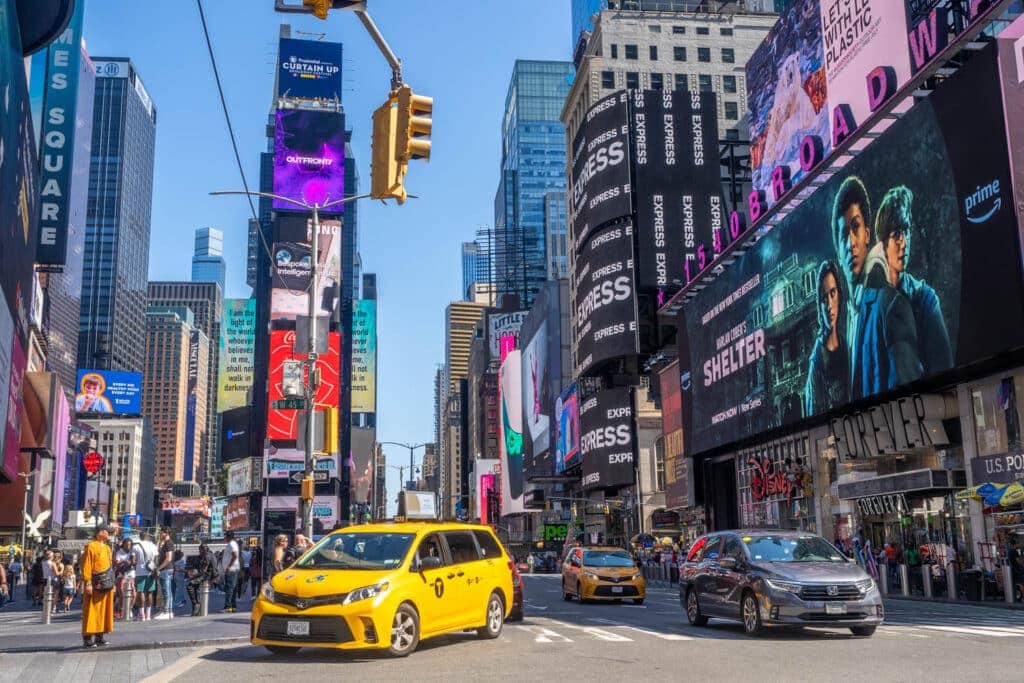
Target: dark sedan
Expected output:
[768,577]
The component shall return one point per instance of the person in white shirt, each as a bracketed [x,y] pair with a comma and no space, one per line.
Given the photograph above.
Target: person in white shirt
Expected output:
[124,569]
[145,552]
[230,564]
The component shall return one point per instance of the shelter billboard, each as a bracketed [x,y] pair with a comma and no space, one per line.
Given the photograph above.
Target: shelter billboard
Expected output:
[364,356]
[109,392]
[309,69]
[309,158]
[283,423]
[607,445]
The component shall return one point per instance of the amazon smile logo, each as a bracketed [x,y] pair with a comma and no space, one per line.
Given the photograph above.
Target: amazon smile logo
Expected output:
[983,203]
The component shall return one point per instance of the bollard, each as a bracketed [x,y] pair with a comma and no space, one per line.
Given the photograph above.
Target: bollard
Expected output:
[127,600]
[204,599]
[1008,583]
[951,581]
[883,579]
[904,580]
[47,602]
[926,580]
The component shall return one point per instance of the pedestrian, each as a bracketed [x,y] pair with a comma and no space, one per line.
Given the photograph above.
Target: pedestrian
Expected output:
[165,571]
[98,599]
[69,586]
[277,559]
[124,571]
[242,583]
[38,580]
[203,569]
[179,578]
[15,576]
[256,570]
[5,590]
[145,552]
[229,567]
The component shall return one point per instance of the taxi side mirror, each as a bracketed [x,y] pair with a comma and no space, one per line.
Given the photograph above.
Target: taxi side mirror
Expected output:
[426,563]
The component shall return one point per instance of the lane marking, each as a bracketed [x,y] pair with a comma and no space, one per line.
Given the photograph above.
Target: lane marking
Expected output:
[601,634]
[545,635]
[178,668]
[974,631]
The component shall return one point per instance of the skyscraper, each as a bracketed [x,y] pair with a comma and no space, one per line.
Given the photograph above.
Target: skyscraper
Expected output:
[582,10]
[556,240]
[470,265]
[116,262]
[208,257]
[532,165]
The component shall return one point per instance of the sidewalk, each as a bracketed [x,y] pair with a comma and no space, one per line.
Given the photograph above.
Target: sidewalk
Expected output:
[22,630]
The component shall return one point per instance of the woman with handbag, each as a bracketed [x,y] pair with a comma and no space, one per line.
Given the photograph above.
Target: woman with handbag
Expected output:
[98,579]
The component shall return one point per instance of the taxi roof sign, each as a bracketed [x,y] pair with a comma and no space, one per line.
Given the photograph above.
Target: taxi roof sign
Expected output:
[417,505]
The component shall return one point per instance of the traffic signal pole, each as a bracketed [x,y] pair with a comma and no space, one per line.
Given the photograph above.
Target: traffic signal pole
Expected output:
[308,484]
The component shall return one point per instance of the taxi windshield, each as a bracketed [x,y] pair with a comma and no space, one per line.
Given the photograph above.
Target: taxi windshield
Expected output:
[607,558]
[372,551]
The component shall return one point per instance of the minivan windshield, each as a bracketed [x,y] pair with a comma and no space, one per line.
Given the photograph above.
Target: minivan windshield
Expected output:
[607,558]
[767,548]
[357,551]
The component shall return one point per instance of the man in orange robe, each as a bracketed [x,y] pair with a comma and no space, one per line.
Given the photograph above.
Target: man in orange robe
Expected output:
[97,606]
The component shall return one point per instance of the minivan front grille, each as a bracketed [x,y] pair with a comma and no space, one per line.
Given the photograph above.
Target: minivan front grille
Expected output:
[835,591]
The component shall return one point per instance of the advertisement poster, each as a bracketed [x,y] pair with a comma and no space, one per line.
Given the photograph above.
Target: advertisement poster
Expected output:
[536,383]
[8,461]
[503,325]
[606,439]
[677,485]
[281,463]
[236,514]
[289,297]
[486,487]
[282,424]
[787,93]
[1011,71]
[309,158]
[364,356]
[599,183]
[510,433]
[606,315]
[109,392]
[885,276]
[325,511]
[217,516]
[191,469]
[363,440]
[567,444]
[239,477]
[309,69]
[235,358]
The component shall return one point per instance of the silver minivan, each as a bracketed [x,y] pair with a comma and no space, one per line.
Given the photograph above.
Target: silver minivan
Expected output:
[767,577]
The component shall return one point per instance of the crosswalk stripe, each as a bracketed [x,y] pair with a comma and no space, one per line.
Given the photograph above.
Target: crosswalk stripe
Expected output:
[973,631]
[663,636]
[545,635]
[601,634]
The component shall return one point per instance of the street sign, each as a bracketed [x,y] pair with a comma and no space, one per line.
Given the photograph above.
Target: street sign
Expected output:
[289,404]
[93,462]
[319,476]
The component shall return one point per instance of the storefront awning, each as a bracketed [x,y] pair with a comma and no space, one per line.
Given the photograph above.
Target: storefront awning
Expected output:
[904,482]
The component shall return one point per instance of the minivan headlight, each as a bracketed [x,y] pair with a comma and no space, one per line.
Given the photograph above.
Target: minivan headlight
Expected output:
[267,591]
[365,593]
[787,586]
[866,585]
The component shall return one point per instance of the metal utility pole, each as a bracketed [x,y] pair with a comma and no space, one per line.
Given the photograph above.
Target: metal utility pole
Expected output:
[412,448]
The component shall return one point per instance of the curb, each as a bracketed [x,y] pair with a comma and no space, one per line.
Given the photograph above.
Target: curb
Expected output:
[158,645]
[962,603]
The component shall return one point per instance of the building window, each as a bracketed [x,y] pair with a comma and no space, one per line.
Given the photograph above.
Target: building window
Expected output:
[632,80]
[682,82]
[615,51]
[732,134]
[631,52]
[703,31]
[679,53]
[655,28]
[703,54]
[678,30]
[728,55]
[704,82]
[657,82]
[729,84]
[654,53]
[726,31]
[608,80]
[659,464]
[731,111]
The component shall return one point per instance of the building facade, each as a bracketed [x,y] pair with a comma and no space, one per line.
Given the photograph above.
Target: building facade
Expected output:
[208,257]
[556,237]
[116,260]
[165,389]
[470,269]
[130,451]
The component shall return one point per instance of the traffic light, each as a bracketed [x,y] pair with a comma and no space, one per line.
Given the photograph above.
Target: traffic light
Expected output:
[385,181]
[413,126]
[320,7]
[329,443]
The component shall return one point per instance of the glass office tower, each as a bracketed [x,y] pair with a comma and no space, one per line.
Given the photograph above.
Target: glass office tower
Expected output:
[208,257]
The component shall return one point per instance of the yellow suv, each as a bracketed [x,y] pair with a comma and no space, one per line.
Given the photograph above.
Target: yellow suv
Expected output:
[387,586]
[602,573]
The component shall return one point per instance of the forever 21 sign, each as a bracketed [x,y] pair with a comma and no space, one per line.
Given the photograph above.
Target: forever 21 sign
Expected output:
[893,427]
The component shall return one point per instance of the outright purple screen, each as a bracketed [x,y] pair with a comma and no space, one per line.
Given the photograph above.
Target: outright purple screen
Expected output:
[309,157]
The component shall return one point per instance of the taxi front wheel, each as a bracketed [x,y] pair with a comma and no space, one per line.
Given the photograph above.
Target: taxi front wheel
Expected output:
[405,631]
[281,649]
[495,617]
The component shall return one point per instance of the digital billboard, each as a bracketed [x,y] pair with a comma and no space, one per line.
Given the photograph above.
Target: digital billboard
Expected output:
[235,354]
[1011,71]
[605,307]
[510,433]
[8,461]
[283,423]
[109,392]
[235,515]
[191,469]
[289,297]
[363,441]
[677,477]
[11,427]
[309,158]
[364,356]
[309,69]
[235,435]
[503,325]
[542,376]
[902,266]
[679,211]
[282,463]
[325,511]
[567,441]
[486,486]
[239,477]
[607,446]
[599,183]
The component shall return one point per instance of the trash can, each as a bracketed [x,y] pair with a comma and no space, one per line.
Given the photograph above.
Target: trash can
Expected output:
[970,581]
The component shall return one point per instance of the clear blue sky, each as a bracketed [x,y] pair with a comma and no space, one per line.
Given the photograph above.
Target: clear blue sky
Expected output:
[459,52]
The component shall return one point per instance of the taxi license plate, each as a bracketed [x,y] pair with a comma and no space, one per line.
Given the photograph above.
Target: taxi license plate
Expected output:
[298,628]
[616,589]
[835,609]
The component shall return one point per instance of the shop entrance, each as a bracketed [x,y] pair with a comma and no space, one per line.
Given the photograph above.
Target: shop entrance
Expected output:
[720,493]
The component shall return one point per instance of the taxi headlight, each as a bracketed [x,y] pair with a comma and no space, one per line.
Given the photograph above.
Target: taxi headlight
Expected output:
[637,577]
[267,591]
[590,575]
[365,593]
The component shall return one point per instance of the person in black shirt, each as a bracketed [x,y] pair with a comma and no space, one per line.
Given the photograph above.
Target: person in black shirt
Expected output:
[202,568]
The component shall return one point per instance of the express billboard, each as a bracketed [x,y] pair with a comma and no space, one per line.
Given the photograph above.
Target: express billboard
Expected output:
[309,157]
[364,356]
[510,433]
[607,446]
[309,69]
[599,184]
[235,354]
[283,423]
[567,441]
[289,297]
[885,276]
[109,392]
[606,305]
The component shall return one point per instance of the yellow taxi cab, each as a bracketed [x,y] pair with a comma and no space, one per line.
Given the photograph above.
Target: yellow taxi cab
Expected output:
[602,573]
[387,586]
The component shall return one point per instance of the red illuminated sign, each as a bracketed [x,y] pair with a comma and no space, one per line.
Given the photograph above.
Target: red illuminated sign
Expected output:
[282,425]
[92,462]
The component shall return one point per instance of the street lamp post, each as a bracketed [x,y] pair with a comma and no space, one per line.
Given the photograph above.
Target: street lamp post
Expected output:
[24,514]
[412,448]
[310,388]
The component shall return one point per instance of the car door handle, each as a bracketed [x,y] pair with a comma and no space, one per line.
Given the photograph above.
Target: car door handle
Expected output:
[461,574]
[451,576]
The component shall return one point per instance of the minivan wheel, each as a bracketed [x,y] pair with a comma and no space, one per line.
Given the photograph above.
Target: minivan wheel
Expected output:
[405,631]
[693,614]
[495,617]
[751,615]
[865,631]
